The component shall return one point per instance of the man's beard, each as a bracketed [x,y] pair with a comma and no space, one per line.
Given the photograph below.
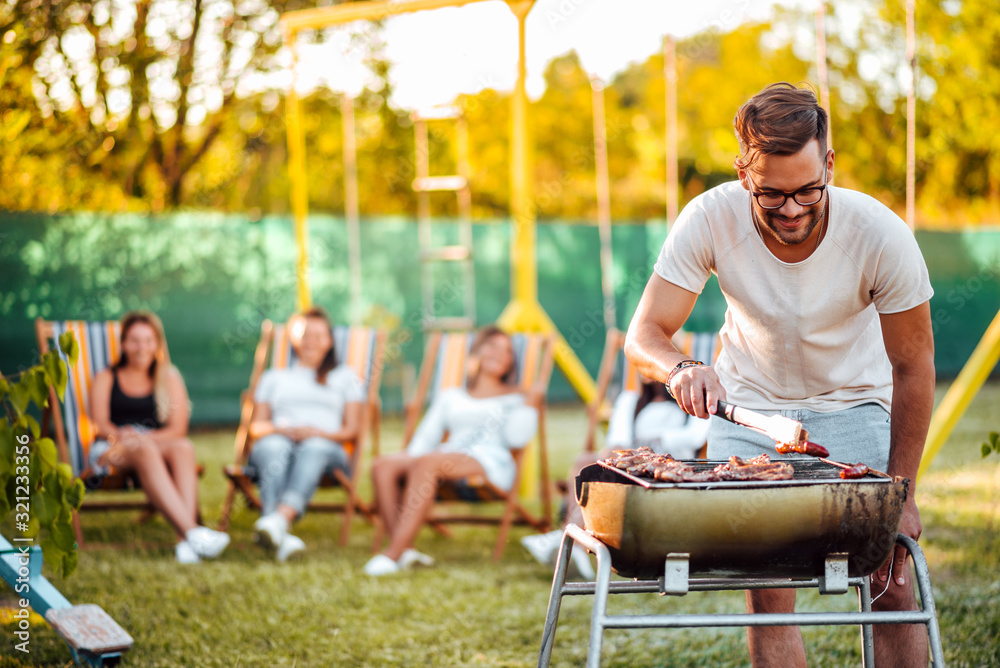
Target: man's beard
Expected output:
[813,215]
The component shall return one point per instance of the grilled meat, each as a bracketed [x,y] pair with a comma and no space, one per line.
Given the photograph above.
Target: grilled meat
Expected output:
[859,470]
[758,468]
[803,448]
[643,462]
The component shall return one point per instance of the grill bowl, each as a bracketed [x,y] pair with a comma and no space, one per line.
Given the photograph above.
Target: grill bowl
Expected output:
[743,529]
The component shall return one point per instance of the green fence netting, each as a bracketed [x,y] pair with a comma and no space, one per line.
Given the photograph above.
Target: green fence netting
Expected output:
[212,278]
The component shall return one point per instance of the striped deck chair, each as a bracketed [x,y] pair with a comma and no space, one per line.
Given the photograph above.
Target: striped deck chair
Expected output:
[617,374]
[362,349]
[443,368]
[74,432]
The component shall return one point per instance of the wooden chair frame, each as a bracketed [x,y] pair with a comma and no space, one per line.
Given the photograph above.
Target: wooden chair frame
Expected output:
[370,419]
[514,511]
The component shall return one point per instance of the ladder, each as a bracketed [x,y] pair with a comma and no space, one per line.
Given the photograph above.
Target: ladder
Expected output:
[430,255]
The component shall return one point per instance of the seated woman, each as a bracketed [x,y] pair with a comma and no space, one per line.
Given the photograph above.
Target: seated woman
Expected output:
[141,410]
[483,421]
[302,415]
[651,418]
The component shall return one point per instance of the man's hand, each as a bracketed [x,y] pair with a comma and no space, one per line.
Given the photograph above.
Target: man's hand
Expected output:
[909,526]
[697,390]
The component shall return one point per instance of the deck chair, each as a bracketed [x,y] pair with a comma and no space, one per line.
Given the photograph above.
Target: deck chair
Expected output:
[617,374]
[362,349]
[443,368]
[99,344]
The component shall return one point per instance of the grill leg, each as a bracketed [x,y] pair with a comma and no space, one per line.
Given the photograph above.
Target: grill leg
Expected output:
[926,597]
[867,637]
[555,601]
[601,590]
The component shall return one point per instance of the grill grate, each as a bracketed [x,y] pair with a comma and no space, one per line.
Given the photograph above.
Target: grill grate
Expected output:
[807,471]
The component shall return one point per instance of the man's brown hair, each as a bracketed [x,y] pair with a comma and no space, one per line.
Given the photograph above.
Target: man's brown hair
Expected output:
[779,120]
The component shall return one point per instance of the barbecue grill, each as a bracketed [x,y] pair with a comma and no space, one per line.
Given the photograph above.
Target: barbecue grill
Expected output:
[815,530]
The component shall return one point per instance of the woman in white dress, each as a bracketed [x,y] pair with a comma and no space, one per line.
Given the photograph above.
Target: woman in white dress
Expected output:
[482,420]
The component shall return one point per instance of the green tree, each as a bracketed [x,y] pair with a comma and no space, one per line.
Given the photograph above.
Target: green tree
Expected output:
[137,93]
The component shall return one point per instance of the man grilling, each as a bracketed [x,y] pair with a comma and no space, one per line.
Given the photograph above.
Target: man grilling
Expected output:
[827,322]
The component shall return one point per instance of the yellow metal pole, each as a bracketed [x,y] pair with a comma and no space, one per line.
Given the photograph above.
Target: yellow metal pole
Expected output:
[297,175]
[523,268]
[983,360]
[324,17]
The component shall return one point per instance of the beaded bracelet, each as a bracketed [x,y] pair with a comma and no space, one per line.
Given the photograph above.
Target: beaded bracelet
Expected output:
[681,365]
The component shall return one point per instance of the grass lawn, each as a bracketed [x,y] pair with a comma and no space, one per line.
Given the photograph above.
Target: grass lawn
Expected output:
[247,610]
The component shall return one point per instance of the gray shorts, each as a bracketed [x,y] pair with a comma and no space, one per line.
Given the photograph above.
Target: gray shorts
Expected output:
[858,434]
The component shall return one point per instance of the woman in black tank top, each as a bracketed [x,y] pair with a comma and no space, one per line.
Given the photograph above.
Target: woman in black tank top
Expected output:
[135,411]
[140,409]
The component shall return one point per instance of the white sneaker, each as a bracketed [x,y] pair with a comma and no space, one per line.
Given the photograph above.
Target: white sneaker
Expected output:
[185,553]
[411,558]
[271,529]
[381,565]
[544,546]
[580,561]
[207,543]
[290,546]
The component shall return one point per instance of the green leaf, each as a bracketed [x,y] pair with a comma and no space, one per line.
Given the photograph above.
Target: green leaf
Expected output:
[19,398]
[65,472]
[55,369]
[46,448]
[4,387]
[995,440]
[69,563]
[7,444]
[33,527]
[4,505]
[45,506]
[986,449]
[62,533]
[53,555]
[69,346]
[36,431]
[38,386]
[74,493]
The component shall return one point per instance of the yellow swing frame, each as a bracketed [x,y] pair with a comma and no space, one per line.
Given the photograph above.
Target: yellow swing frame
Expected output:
[523,313]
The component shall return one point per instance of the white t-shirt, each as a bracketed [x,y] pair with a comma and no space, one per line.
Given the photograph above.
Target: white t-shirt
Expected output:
[661,425]
[297,400]
[484,429]
[806,334]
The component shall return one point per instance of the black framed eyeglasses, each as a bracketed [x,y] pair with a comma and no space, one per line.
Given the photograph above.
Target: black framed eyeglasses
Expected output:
[776,200]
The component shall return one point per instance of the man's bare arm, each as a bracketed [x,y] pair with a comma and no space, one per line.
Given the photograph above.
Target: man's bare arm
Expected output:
[662,311]
[909,343]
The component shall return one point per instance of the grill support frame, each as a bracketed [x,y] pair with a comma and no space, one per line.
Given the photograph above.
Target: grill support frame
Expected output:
[603,587]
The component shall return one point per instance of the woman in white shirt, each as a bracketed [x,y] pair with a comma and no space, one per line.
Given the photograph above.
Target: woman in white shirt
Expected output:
[651,418]
[483,421]
[301,417]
